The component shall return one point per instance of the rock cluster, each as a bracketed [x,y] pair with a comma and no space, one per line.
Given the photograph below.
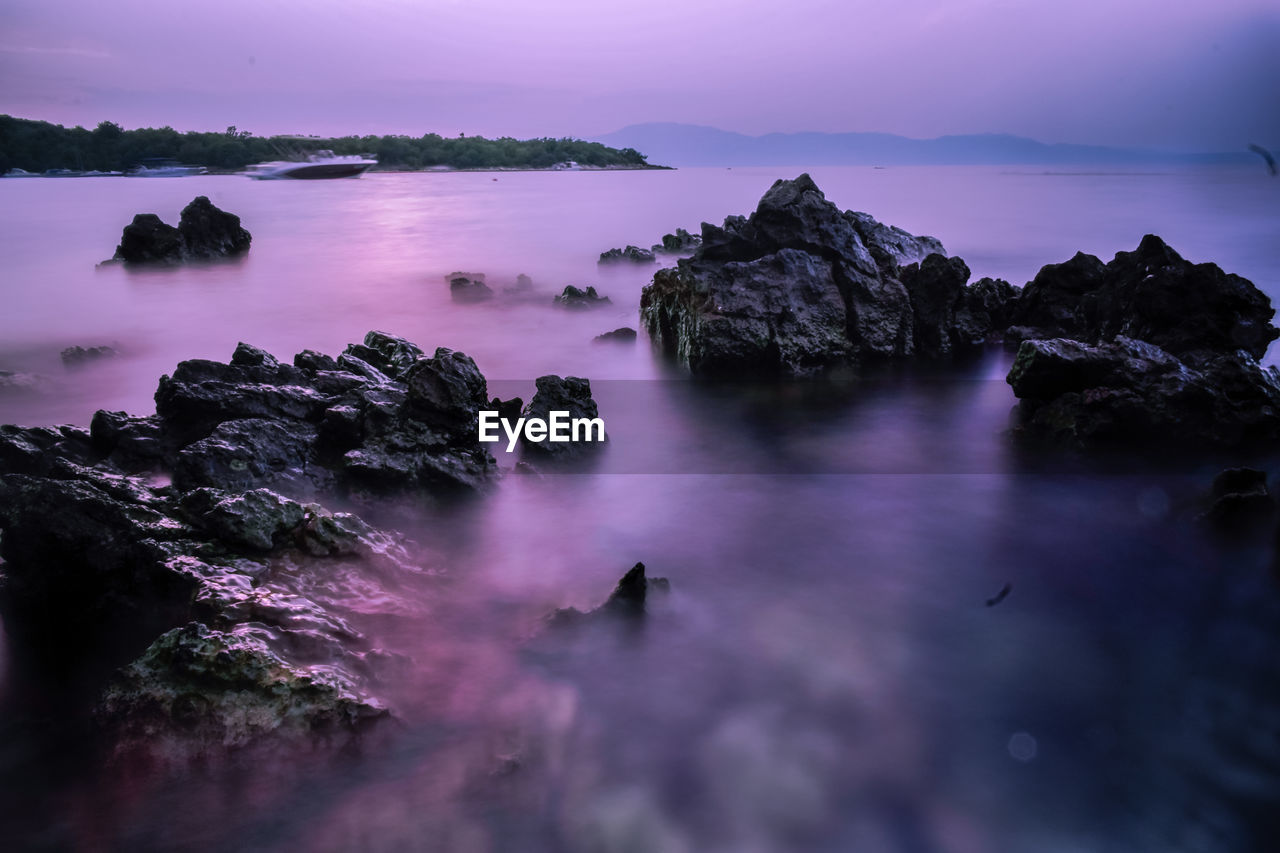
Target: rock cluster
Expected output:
[468,287]
[576,298]
[204,233]
[631,254]
[1148,348]
[800,285]
[679,243]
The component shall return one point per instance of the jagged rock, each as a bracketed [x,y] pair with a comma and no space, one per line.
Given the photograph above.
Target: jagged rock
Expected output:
[76,356]
[627,602]
[991,303]
[1151,294]
[631,254]
[1240,503]
[577,298]
[625,335]
[797,286]
[508,410]
[679,243]
[148,240]
[208,232]
[570,394]
[1132,392]
[468,287]
[204,232]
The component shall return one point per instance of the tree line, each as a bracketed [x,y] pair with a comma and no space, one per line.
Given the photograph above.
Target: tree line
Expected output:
[37,146]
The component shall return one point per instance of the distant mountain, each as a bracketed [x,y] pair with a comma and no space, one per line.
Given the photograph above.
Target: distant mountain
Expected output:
[694,145]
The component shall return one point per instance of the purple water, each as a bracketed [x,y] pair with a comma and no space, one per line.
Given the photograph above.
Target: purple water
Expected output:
[825,675]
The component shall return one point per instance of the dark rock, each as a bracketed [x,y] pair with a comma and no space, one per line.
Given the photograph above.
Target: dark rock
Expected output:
[990,304]
[209,233]
[76,356]
[796,287]
[1129,392]
[391,355]
[508,410]
[243,454]
[204,233]
[627,602]
[679,243]
[148,240]
[1240,503]
[625,335]
[468,287]
[631,254]
[555,394]
[936,287]
[133,444]
[1151,294]
[577,298]
[251,356]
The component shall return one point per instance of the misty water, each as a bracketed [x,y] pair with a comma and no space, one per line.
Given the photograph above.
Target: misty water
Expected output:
[825,674]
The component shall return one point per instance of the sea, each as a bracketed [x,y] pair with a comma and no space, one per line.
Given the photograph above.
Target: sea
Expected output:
[826,673]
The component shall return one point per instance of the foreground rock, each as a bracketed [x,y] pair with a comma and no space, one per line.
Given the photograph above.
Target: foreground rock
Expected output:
[1130,392]
[631,254]
[577,299]
[800,285]
[204,233]
[217,597]
[627,603]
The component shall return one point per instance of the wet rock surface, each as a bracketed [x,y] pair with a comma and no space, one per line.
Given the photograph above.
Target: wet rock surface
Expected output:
[800,285]
[204,232]
[577,299]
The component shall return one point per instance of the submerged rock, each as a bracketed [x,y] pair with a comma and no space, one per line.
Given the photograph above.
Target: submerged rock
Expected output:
[576,298]
[1240,503]
[625,335]
[1130,392]
[628,601]
[76,356]
[631,254]
[204,232]
[12,382]
[800,285]
[468,287]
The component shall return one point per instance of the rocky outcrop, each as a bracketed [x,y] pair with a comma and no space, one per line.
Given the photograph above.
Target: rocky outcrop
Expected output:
[468,287]
[625,335]
[800,285]
[1150,294]
[204,233]
[1146,349]
[679,243]
[76,356]
[1130,392]
[570,394]
[627,603]
[577,299]
[631,254]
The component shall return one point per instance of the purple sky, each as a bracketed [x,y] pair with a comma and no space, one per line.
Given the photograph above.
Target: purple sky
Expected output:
[1203,74]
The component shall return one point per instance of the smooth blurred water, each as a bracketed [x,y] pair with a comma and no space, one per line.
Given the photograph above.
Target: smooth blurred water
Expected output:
[825,675]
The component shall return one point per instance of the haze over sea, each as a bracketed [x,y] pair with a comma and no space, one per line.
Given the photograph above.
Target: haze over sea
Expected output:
[825,675]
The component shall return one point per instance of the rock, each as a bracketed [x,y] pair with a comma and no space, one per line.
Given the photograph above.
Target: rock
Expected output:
[209,233]
[991,303]
[1240,503]
[631,254]
[204,233]
[508,410]
[148,240]
[76,356]
[133,444]
[468,287]
[625,335]
[679,243]
[577,298]
[628,602]
[942,322]
[796,287]
[1129,392]
[1150,294]
[555,394]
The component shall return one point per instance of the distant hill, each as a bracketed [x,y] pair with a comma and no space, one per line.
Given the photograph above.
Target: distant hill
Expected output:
[695,145]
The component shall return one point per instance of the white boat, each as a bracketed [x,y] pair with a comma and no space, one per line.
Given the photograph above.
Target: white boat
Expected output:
[322,164]
[161,167]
